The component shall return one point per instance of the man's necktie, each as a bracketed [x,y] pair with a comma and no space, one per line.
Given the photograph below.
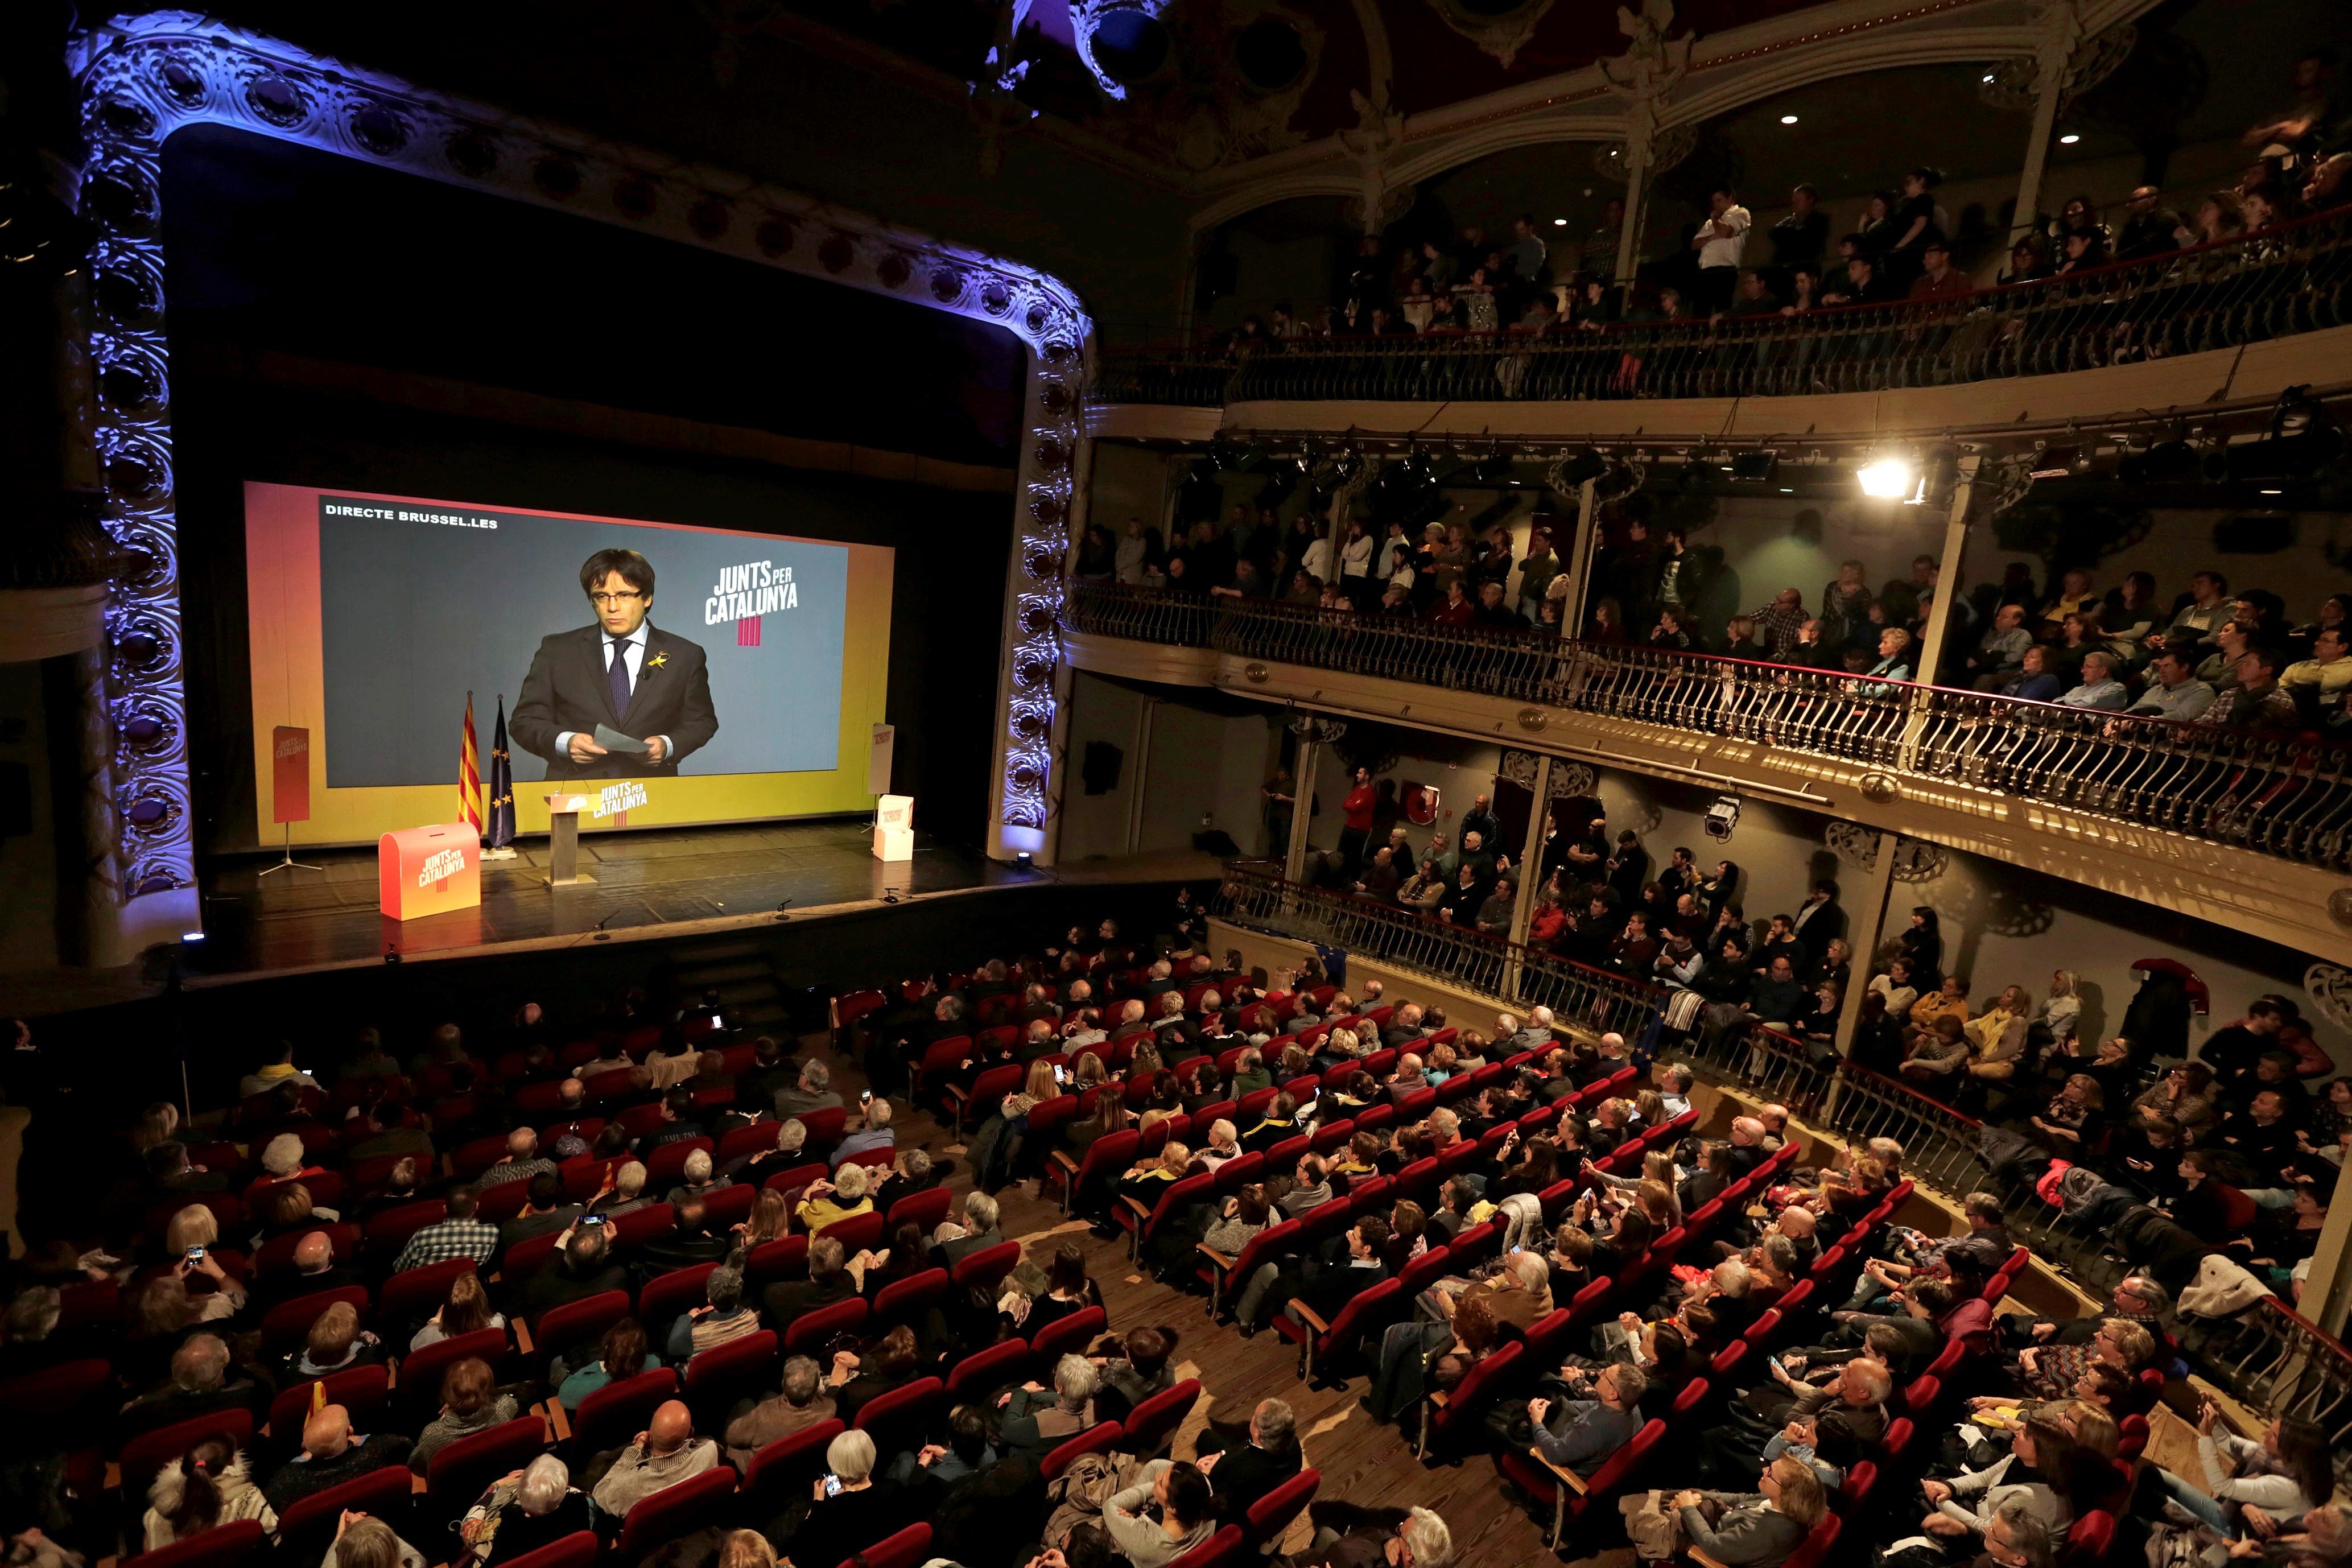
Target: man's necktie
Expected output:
[619,678]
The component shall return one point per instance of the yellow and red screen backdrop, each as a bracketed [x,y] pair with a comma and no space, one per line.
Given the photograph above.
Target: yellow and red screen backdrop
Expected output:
[372,616]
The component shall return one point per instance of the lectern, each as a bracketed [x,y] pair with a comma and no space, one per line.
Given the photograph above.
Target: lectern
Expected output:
[563,840]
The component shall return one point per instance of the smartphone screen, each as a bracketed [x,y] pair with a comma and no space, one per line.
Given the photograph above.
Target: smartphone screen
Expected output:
[832,1486]
[717,1022]
[1060,1074]
[592,1219]
[195,1255]
[866,1096]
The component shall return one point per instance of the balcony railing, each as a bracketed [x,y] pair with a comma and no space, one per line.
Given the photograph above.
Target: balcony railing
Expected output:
[2295,278]
[2268,1357]
[2283,794]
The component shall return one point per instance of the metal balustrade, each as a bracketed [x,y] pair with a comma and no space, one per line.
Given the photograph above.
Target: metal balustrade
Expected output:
[2268,1357]
[2284,795]
[2294,278]
[2277,1361]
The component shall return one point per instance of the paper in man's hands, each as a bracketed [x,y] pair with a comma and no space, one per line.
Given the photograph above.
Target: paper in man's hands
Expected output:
[612,739]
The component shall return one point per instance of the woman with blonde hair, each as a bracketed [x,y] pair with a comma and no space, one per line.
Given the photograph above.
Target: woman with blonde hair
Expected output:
[194,1226]
[1343,1045]
[1089,1072]
[771,1220]
[825,1203]
[1146,1061]
[466,1310]
[158,1123]
[1039,1084]
[2063,1011]
[746,1549]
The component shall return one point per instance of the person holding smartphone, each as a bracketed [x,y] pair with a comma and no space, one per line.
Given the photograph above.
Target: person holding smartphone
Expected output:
[852,1509]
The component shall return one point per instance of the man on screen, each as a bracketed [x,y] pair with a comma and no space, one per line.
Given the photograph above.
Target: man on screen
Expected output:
[620,672]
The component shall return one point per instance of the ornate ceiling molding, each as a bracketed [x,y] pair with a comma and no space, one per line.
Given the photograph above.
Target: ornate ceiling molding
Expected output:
[1726,72]
[1502,36]
[2016,82]
[141,79]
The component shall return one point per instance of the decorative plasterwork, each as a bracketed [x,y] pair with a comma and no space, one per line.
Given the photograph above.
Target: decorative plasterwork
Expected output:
[1727,71]
[1502,36]
[141,79]
[2329,986]
[2016,82]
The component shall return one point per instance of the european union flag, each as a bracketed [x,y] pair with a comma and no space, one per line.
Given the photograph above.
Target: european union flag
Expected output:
[501,827]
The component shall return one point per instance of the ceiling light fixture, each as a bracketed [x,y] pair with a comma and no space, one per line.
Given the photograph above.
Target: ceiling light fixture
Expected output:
[1988,76]
[1560,223]
[1788,120]
[2068,140]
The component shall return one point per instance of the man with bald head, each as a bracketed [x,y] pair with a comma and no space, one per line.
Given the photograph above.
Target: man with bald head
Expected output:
[202,1380]
[315,1269]
[333,1454]
[1748,1150]
[522,1164]
[1775,1119]
[666,1453]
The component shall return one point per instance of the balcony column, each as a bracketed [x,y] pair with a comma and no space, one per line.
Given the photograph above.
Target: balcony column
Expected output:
[1628,238]
[1313,735]
[1576,561]
[1865,916]
[1948,579]
[1526,868]
[2051,60]
[2327,1294]
[1528,864]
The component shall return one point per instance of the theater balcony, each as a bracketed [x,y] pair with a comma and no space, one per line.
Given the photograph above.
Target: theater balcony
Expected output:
[2249,830]
[2233,321]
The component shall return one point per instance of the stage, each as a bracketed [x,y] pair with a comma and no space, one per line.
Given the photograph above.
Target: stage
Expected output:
[660,883]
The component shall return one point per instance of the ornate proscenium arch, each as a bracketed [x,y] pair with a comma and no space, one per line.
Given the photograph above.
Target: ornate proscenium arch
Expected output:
[144,78]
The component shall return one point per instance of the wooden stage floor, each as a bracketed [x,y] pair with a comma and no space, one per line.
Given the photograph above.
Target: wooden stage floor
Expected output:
[662,882]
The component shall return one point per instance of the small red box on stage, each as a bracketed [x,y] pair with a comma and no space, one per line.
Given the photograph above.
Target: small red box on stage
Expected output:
[429,871]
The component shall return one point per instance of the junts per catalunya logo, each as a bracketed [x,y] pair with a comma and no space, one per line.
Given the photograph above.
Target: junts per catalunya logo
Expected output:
[744,593]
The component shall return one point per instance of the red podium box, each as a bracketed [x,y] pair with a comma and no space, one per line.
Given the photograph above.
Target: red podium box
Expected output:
[429,871]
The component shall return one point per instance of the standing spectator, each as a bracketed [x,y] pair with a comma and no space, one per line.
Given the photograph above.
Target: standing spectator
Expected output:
[1915,224]
[1357,812]
[1523,263]
[1720,240]
[1798,239]
[2150,228]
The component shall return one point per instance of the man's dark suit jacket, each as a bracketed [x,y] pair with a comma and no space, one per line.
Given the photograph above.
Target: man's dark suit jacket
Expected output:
[569,688]
[1241,1475]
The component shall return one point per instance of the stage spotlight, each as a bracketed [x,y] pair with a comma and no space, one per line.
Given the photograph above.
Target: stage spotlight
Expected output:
[2165,462]
[1347,464]
[2302,440]
[1755,467]
[1588,464]
[1494,469]
[1722,818]
[1887,478]
[1025,860]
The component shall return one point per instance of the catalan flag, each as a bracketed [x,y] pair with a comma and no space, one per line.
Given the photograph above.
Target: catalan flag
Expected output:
[469,773]
[502,821]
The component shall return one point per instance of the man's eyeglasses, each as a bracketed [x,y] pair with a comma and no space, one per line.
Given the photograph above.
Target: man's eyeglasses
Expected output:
[607,601]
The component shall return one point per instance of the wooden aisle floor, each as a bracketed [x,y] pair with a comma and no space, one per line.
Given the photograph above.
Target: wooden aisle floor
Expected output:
[1361,1460]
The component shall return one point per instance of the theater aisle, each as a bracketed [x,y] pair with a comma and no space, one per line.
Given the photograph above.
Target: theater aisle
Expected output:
[1362,1461]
